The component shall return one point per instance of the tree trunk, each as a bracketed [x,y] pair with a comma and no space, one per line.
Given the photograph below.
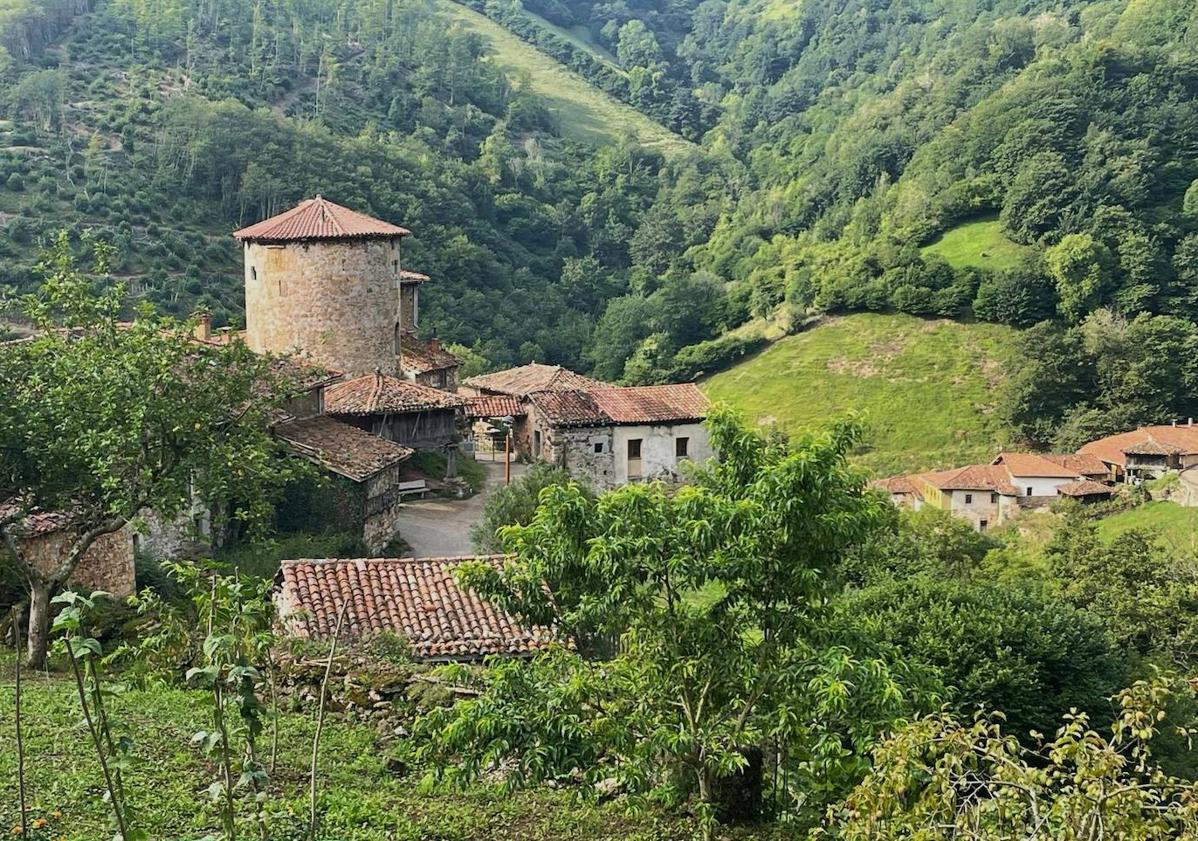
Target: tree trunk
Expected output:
[39,623]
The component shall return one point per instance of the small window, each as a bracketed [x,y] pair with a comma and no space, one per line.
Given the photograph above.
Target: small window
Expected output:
[1029,490]
[598,446]
[969,499]
[634,448]
[253,272]
[982,524]
[993,499]
[395,267]
[536,442]
[680,447]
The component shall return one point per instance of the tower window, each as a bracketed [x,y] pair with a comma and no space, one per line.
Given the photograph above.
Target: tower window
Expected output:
[253,272]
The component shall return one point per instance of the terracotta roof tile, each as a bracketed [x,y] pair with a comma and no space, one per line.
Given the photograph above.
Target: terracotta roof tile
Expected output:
[974,477]
[653,403]
[1033,465]
[417,598]
[895,485]
[317,219]
[1160,440]
[412,277]
[524,380]
[381,394]
[37,522]
[495,406]
[343,449]
[1085,488]
[1082,464]
[569,408]
[419,357]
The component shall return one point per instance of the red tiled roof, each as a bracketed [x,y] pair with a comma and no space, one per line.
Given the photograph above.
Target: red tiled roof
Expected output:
[1081,464]
[417,598]
[37,522]
[1033,465]
[1085,488]
[316,219]
[895,485]
[421,357]
[526,379]
[494,406]
[653,403]
[974,477]
[343,449]
[381,394]
[569,408]
[1151,448]
[1170,439]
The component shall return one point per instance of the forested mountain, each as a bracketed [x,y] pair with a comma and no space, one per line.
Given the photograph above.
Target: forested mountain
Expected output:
[1014,161]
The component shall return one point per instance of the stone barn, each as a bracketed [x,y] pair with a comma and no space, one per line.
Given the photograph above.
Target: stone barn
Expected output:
[414,415]
[107,565]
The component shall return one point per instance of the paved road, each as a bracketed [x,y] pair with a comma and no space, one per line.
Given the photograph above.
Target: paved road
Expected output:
[441,527]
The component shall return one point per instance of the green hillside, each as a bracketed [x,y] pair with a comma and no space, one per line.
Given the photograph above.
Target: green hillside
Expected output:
[924,388]
[584,112]
[979,244]
[1171,524]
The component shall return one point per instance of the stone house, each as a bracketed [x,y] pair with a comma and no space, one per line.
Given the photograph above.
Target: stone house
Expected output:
[107,565]
[611,436]
[417,599]
[1147,452]
[364,492]
[518,383]
[989,494]
[407,413]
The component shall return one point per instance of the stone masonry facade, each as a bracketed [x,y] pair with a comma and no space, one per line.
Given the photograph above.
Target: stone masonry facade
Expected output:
[335,301]
[107,565]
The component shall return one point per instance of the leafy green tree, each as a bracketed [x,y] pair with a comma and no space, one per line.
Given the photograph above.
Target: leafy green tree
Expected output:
[1052,375]
[718,595]
[103,419]
[514,504]
[1082,269]
[1144,594]
[940,778]
[1004,647]
[1019,297]
[625,323]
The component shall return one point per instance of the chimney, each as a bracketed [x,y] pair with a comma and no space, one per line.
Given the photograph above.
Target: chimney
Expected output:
[203,328]
[226,335]
[1189,421]
[1174,423]
[434,345]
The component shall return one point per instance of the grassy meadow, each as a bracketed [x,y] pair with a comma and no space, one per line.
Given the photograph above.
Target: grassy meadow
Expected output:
[979,244]
[586,113]
[1173,525]
[363,796]
[925,389]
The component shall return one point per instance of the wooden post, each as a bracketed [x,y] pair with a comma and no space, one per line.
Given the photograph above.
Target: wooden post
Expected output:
[507,457]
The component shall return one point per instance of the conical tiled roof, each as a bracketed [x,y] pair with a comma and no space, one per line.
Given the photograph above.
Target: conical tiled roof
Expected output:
[319,218]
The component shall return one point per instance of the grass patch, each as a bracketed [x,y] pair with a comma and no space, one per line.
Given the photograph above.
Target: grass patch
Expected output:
[580,37]
[925,389]
[585,113]
[1173,525]
[360,798]
[980,244]
[261,558]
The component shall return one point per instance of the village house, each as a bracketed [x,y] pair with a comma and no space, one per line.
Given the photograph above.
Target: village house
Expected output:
[612,436]
[608,435]
[108,564]
[989,494]
[418,599]
[1147,452]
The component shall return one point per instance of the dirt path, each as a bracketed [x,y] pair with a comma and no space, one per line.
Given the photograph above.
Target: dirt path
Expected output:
[441,527]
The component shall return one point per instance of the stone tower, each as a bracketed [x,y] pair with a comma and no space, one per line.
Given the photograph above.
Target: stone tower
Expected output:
[327,282]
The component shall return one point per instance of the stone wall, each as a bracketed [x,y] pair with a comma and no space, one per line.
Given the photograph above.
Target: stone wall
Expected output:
[107,565]
[334,301]
[585,452]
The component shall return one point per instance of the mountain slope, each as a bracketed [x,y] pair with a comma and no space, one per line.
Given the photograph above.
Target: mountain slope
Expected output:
[584,112]
[924,389]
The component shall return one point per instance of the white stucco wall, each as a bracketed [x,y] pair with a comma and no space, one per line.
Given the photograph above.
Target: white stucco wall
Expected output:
[1040,485]
[657,449]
